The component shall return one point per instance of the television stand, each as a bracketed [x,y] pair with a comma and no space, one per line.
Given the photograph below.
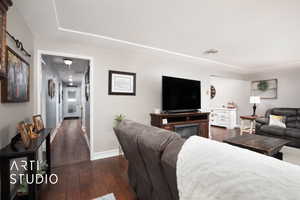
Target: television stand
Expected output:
[170,121]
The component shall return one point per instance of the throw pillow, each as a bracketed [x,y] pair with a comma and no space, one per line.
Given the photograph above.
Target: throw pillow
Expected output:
[276,120]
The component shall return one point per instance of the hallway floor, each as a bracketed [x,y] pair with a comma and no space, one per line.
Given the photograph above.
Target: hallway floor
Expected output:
[69,145]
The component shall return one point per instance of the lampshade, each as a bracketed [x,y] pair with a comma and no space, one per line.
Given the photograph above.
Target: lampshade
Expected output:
[254,99]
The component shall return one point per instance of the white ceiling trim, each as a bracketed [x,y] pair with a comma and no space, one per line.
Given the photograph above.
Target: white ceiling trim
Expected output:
[60,28]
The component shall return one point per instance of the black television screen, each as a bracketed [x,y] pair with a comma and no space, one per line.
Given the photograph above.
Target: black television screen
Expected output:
[180,94]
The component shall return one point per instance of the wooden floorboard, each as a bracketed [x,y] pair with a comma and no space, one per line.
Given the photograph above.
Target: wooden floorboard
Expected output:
[91,179]
[69,145]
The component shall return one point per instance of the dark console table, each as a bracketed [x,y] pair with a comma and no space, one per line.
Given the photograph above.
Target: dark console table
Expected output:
[8,153]
[170,121]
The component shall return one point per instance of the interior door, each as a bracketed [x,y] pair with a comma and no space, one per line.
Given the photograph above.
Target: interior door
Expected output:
[72,102]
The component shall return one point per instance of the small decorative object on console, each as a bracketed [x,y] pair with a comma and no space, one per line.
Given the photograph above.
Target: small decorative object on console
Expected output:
[31,133]
[24,134]
[38,123]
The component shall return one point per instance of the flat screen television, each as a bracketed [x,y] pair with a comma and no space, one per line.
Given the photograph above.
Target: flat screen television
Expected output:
[180,95]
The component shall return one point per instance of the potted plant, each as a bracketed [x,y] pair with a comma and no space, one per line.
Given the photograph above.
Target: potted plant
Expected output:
[118,119]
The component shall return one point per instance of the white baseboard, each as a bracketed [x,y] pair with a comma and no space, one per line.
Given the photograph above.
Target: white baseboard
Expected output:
[105,154]
[54,132]
[87,141]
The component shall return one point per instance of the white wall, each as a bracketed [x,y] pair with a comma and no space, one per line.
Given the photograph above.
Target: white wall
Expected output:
[149,69]
[288,88]
[236,90]
[12,113]
[51,105]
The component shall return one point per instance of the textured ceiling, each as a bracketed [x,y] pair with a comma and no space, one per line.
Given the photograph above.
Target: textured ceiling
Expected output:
[251,35]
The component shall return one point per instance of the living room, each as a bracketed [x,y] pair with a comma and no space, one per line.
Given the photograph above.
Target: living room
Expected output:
[243,50]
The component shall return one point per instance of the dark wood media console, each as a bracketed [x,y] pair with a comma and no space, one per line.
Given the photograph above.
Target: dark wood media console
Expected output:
[170,121]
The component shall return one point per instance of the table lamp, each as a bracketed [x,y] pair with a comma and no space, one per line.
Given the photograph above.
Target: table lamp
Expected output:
[254,100]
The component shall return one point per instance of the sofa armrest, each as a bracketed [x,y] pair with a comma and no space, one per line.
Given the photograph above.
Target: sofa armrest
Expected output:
[262,121]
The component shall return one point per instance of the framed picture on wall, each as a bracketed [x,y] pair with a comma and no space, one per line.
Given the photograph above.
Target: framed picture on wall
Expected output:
[51,88]
[121,83]
[15,88]
[266,89]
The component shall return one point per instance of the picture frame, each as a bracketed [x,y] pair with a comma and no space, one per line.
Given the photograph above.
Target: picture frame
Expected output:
[265,89]
[16,87]
[30,131]
[38,123]
[87,92]
[121,83]
[51,88]
[23,131]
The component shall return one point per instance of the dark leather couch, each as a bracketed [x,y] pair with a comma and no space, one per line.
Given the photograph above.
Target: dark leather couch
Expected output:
[292,121]
[152,155]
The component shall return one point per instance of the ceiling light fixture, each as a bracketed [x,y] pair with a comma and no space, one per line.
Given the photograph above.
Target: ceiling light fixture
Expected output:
[68,61]
[211,51]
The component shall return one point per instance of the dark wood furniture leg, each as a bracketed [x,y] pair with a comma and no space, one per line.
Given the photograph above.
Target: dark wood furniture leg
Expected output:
[5,174]
[32,188]
[278,156]
[48,153]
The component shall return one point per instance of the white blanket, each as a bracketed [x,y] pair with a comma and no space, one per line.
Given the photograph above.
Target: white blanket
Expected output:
[210,170]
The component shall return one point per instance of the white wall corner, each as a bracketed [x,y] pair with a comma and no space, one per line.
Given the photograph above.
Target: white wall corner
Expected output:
[105,154]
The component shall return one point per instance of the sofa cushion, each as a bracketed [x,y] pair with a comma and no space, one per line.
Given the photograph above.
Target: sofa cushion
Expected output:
[288,112]
[273,130]
[151,147]
[292,132]
[293,122]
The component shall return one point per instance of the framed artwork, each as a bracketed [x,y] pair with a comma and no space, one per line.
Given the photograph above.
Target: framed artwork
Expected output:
[266,89]
[15,88]
[4,6]
[24,134]
[87,84]
[87,92]
[51,88]
[87,76]
[38,123]
[121,83]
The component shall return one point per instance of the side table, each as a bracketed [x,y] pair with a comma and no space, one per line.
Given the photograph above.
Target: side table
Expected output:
[244,127]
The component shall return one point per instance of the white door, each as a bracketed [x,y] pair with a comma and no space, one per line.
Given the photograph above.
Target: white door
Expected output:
[72,102]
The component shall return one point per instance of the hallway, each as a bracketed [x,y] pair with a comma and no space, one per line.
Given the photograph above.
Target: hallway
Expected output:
[69,145]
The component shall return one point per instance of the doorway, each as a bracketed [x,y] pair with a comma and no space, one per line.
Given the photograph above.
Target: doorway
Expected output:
[65,106]
[72,103]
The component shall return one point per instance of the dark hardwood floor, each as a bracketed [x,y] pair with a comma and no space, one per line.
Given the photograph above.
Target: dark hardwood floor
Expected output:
[69,145]
[90,179]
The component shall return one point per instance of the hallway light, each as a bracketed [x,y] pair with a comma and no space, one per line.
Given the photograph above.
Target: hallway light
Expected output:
[68,61]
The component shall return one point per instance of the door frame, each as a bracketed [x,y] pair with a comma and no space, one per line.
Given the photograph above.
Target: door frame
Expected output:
[38,82]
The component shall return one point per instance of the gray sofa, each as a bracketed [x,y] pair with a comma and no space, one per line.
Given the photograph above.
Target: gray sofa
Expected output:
[292,121]
[152,155]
